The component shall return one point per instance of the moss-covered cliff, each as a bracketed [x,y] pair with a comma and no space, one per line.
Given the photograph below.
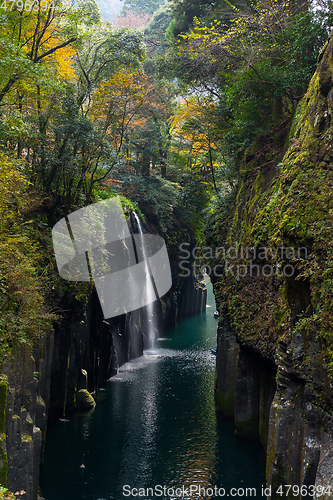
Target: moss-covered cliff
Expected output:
[276,292]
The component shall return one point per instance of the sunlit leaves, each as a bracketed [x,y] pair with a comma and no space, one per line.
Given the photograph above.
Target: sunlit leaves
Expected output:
[32,40]
[104,52]
[259,63]
[198,136]
[117,101]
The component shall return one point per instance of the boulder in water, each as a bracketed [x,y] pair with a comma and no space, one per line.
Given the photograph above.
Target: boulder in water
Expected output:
[84,400]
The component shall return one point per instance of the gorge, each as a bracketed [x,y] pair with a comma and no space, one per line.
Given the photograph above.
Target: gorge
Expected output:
[212,126]
[154,424]
[82,352]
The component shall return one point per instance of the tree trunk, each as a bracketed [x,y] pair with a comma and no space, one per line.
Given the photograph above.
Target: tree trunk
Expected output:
[145,167]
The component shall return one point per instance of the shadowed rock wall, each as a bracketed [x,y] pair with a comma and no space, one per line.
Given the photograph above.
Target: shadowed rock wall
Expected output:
[275,339]
[245,386]
[25,393]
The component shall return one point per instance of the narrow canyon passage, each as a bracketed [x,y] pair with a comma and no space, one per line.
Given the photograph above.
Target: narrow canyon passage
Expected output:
[154,425]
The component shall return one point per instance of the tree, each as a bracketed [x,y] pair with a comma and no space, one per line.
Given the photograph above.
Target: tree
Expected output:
[24,314]
[51,123]
[155,31]
[103,52]
[261,63]
[80,145]
[141,6]
[133,110]
[198,139]
[185,11]
[33,37]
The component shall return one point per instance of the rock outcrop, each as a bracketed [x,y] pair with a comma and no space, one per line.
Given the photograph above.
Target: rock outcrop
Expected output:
[275,342]
[25,394]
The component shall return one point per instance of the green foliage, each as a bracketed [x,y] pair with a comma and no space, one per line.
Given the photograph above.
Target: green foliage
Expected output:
[194,199]
[155,31]
[5,494]
[106,191]
[31,41]
[282,61]
[291,209]
[185,11]
[103,52]
[217,217]
[156,197]
[82,12]
[256,61]
[52,125]
[22,261]
[174,208]
[198,142]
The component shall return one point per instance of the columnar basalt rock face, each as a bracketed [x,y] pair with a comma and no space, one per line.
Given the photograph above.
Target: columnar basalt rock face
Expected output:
[80,353]
[192,296]
[247,396]
[298,425]
[245,386]
[284,200]
[279,409]
[188,295]
[226,371]
[25,383]
[85,341]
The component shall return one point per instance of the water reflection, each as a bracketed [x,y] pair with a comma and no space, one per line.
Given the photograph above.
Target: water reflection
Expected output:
[140,430]
[155,424]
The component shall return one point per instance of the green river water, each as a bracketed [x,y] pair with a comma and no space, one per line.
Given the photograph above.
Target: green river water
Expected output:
[155,432]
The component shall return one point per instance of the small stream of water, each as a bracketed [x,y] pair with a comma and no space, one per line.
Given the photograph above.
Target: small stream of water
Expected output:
[155,424]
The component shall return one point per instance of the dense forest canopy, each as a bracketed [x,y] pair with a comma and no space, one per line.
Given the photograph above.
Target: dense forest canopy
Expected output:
[65,96]
[81,99]
[160,116]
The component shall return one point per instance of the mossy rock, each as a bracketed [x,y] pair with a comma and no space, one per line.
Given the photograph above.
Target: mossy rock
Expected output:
[84,400]
[225,403]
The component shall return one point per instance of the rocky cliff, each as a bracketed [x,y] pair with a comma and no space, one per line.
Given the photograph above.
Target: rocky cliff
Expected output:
[82,351]
[275,351]
[25,397]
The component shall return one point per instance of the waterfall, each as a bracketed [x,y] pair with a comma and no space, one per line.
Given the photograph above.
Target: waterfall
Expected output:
[150,326]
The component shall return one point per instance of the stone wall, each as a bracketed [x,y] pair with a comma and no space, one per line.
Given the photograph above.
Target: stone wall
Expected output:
[271,403]
[245,385]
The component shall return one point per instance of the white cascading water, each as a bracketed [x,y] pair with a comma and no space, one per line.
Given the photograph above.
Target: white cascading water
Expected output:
[149,291]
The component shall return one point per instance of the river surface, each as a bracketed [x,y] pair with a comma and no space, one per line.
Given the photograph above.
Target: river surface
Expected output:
[155,432]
